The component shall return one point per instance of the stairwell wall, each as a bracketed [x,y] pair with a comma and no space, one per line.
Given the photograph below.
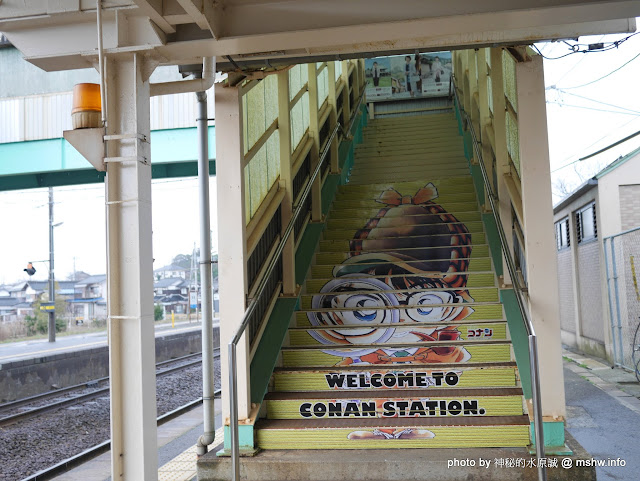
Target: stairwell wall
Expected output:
[515,84]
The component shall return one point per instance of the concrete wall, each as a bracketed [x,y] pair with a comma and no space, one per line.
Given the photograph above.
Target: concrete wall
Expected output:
[29,377]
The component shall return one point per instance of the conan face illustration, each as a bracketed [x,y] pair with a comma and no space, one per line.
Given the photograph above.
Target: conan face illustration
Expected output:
[403,285]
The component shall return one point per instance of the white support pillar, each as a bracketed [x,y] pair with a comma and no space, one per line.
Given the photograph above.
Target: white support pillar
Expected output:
[501,152]
[314,133]
[346,100]
[232,245]
[289,286]
[540,246]
[333,115]
[484,120]
[130,272]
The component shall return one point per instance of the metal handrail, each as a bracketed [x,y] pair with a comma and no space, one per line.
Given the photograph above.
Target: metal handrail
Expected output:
[253,302]
[515,280]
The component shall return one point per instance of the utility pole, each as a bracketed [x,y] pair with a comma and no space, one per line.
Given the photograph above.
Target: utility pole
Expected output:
[52,287]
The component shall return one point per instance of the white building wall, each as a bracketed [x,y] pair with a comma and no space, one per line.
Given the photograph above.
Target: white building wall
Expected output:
[626,174]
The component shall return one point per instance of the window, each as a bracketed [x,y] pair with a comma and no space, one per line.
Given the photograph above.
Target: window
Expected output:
[586,226]
[562,234]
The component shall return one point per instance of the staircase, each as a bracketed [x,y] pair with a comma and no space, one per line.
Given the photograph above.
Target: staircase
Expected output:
[401,340]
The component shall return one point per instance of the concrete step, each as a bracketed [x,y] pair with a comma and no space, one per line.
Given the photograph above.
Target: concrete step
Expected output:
[426,218]
[335,268]
[396,403]
[402,175]
[442,185]
[438,121]
[419,229]
[399,281]
[453,202]
[358,207]
[416,353]
[436,147]
[428,147]
[399,242]
[412,134]
[401,145]
[427,157]
[426,167]
[378,334]
[389,464]
[477,250]
[359,378]
[376,314]
[339,297]
[371,433]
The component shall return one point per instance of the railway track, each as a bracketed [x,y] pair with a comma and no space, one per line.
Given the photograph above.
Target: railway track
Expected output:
[103,447]
[96,388]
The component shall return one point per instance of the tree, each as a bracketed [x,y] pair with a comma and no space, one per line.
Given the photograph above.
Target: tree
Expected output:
[158,312]
[183,260]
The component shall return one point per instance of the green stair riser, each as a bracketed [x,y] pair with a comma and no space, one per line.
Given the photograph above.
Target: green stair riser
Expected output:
[467,332]
[443,437]
[314,380]
[317,358]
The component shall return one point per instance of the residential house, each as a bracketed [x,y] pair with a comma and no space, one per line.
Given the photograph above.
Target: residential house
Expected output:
[605,205]
[171,271]
[172,293]
[89,302]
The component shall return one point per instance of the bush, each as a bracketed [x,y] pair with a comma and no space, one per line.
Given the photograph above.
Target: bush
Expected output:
[158,312]
[39,324]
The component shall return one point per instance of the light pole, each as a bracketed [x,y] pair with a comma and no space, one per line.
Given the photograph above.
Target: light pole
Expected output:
[52,279]
[52,287]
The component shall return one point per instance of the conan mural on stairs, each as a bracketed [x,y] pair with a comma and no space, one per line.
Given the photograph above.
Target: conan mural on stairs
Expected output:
[394,279]
[407,267]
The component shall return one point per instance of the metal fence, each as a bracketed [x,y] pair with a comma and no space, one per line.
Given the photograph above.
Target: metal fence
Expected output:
[622,261]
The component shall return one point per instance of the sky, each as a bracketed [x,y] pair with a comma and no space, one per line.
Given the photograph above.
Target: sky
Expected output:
[581,120]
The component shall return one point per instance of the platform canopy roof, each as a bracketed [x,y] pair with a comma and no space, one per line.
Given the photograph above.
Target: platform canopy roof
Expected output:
[253,34]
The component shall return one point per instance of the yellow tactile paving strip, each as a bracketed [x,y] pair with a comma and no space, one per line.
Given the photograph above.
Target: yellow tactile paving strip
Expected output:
[183,466]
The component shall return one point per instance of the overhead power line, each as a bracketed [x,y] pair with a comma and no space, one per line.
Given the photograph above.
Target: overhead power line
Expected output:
[604,76]
[562,104]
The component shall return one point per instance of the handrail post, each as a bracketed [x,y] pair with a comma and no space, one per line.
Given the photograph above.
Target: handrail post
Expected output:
[537,405]
[233,411]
